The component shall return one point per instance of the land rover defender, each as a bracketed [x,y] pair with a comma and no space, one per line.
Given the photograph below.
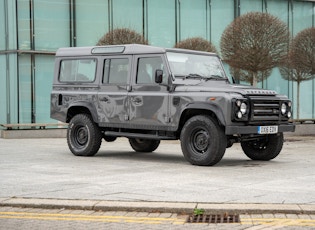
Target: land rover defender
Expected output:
[148,94]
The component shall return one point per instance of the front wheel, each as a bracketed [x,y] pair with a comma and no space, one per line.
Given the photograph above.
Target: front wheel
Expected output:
[203,141]
[263,149]
[83,136]
[143,145]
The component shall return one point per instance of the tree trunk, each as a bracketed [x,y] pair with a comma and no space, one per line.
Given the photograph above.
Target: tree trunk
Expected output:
[298,101]
[254,82]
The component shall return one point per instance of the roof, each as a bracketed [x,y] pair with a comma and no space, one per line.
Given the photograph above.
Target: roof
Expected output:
[109,50]
[119,49]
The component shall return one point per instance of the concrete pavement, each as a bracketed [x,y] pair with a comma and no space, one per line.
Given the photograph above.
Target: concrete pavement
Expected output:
[41,173]
[162,207]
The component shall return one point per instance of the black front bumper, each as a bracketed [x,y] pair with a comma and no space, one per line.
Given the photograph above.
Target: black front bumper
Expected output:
[231,130]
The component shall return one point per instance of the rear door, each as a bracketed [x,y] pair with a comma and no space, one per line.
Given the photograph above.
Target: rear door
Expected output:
[112,97]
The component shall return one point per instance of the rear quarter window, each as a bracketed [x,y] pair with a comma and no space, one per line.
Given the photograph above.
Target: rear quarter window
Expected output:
[79,70]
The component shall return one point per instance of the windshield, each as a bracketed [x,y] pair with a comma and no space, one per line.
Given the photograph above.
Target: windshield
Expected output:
[195,66]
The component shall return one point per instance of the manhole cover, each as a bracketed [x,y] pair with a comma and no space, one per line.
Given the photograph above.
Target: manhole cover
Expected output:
[213,219]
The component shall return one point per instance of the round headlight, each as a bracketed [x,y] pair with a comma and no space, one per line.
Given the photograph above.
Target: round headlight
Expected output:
[243,108]
[238,103]
[289,114]
[283,108]
[239,114]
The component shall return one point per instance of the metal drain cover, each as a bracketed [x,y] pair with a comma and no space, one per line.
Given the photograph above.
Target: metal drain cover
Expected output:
[213,219]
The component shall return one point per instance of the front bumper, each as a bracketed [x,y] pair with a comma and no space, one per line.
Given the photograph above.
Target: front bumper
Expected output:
[232,130]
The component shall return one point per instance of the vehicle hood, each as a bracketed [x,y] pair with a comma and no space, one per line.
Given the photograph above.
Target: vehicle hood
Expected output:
[212,86]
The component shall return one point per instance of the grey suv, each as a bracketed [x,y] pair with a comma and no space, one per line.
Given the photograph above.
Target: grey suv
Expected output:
[148,94]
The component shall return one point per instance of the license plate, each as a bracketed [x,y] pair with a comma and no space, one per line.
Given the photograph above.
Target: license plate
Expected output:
[267,129]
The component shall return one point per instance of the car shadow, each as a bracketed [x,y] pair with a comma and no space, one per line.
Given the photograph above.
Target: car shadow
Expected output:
[179,159]
[143,156]
[246,163]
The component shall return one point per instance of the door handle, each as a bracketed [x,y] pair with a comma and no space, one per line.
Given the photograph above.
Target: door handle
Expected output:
[136,100]
[105,99]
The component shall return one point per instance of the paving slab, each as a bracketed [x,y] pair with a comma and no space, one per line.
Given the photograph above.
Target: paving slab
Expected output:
[49,203]
[162,207]
[43,173]
[251,208]
[145,206]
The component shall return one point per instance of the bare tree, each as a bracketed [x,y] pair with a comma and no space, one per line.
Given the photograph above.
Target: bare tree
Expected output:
[255,42]
[122,36]
[196,43]
[300,63]
[243,75]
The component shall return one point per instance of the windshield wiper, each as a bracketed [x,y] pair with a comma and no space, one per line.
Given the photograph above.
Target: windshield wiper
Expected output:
[194,75]
[216,77]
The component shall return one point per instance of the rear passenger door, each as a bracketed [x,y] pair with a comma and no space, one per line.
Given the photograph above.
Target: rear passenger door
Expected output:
[148,100]
[112,96]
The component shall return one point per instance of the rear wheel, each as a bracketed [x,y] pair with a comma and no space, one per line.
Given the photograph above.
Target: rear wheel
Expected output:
[264,149]
[203,142]
[109,138]
[144,145]
[83,136]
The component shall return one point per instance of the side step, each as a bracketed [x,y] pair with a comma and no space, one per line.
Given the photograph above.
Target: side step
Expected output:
[138,135]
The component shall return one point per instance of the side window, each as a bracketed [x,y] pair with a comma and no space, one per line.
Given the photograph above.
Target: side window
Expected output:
[146,69]
[80,70]
[116,71]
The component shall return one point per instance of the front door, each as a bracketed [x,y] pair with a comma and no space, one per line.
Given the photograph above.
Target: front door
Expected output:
[148,101]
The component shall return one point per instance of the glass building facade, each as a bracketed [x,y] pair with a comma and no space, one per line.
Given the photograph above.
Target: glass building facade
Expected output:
[32,30]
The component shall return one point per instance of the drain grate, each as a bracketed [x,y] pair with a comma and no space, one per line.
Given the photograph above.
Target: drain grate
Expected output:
[213,219]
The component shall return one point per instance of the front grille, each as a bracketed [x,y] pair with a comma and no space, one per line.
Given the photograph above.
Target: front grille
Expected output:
[213,219]
[265,110]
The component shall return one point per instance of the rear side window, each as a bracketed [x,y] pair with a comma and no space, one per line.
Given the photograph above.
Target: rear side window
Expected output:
[80,70]
[116,71]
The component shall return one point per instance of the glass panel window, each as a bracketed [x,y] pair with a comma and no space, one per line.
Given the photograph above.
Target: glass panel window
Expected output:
[51,24]
[25,93]
[302,17]
[146,69]
[278,9]
[91,21]
[3,91]
[193,14]
[250,6]
[24,24]
[161,23]
[81,70]
[2,26]
[43,85]
[127,14]
[117,70]
[222,14]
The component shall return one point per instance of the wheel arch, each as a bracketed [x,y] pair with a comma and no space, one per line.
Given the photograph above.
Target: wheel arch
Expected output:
[201,109]
[82,107]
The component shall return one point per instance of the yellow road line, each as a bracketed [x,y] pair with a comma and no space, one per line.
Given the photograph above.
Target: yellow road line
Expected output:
[81,217]
[279,221]
[146,220]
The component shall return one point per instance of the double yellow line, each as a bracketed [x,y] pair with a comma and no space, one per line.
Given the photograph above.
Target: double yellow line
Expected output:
[94,218]
[279,222]
[146,220]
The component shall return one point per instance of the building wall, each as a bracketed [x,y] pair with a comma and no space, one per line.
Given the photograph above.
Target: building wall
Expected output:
[32,30]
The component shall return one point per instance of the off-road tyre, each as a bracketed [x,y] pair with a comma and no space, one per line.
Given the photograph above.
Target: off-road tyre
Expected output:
[143,145]
[109,138]
[83,136]
[203,141]
[263,149]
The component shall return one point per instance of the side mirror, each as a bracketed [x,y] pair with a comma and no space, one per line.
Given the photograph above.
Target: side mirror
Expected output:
[235,81]
[158,76]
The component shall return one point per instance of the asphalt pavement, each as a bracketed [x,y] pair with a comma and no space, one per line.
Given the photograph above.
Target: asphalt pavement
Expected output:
[42,173]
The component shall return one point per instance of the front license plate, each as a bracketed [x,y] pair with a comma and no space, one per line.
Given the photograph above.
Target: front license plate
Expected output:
[267,129]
